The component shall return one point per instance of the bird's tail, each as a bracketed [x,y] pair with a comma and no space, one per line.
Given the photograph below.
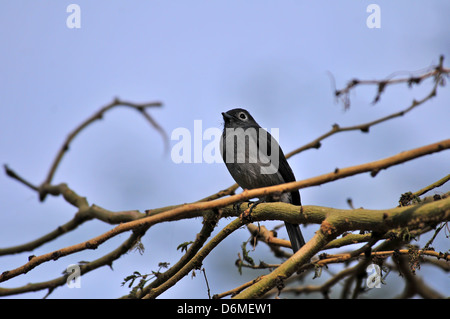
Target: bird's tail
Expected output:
[295,236]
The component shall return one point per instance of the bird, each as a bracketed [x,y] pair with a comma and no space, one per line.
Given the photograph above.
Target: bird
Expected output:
[255,159]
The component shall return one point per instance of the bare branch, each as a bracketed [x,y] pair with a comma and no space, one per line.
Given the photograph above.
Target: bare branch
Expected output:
[414,284]
[437,73]
[336,223]
[84,268]
[96,116]
[196,209]
[436,184]
[394,227]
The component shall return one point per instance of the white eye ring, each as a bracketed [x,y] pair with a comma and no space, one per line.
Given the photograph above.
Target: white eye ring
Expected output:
[242,116]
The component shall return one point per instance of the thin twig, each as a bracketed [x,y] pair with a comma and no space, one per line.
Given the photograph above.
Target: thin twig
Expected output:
[20,179]
[414,284]
[107,259]
[437,73]
[438,183]
[207,284]
[96,116]
[236,290]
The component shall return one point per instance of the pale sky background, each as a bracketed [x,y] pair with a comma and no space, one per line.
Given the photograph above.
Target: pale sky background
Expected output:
[201,58]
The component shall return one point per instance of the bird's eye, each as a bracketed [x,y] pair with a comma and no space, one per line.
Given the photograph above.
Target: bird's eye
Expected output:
[242,116]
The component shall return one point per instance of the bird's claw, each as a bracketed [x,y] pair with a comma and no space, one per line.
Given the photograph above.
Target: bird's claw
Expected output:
[246,215]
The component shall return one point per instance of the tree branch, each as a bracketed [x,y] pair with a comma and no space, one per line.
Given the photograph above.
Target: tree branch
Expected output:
[391,225]
[196,209]
[336,222]
[97,116]
[84,268]
[437,72]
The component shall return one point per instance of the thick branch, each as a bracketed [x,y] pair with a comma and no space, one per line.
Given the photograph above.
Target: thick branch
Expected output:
[335,222]
[196,209]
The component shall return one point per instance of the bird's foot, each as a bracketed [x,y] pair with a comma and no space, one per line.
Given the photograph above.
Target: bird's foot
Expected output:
[246,215]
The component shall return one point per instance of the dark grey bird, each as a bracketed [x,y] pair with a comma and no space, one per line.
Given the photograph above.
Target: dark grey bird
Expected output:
[254,159]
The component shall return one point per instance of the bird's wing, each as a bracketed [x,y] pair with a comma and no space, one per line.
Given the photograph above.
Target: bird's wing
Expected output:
[284,169]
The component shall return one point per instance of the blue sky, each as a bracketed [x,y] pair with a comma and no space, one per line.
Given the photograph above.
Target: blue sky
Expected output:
[201,58]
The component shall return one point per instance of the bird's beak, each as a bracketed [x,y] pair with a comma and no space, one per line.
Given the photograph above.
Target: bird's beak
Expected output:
[226,116]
